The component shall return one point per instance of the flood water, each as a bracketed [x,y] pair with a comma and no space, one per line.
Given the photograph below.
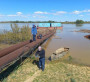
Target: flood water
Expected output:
[79,46]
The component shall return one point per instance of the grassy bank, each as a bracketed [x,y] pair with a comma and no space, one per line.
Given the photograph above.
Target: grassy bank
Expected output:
[56,71]
[19,34]
[16,34]
[63,72]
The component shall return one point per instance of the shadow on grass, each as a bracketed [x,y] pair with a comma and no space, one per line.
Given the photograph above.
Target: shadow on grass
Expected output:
[11,68]
[5,73]
[36,62]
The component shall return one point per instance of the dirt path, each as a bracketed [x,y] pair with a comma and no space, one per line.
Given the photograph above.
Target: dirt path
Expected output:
[37,73]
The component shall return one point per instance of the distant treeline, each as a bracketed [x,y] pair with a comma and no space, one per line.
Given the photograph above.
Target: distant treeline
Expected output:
[28,21]
[76,22]
[50,21]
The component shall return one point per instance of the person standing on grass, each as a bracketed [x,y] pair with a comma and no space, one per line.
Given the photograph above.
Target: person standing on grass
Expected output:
[41,53]
[34,32]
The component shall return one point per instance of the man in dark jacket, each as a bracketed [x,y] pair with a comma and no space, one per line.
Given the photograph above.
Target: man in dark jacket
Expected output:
[41,53]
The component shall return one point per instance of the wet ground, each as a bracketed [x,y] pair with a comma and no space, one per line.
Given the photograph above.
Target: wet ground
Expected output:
[78,44]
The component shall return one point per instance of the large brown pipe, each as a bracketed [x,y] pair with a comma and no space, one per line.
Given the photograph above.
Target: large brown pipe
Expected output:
[15,54]
[12,48]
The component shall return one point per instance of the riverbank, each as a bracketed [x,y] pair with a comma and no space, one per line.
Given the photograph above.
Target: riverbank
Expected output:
[55,71]
[19,34]
[79,48]
[83,30]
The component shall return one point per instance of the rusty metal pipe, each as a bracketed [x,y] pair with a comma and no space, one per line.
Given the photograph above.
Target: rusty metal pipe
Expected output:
[12,48]
[17,53]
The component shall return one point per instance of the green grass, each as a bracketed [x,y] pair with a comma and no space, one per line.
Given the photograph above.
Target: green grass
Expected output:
[22,72]
[55,71]
[63,72]
[16,34]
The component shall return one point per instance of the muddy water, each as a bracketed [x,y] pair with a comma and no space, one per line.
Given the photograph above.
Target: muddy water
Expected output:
[79,46]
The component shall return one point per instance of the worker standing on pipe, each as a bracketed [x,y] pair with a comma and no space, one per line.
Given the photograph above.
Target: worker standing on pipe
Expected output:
[41,53]
[34,32]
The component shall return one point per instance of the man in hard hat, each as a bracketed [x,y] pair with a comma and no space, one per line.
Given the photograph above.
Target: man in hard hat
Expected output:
[41,53]
[34,32]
